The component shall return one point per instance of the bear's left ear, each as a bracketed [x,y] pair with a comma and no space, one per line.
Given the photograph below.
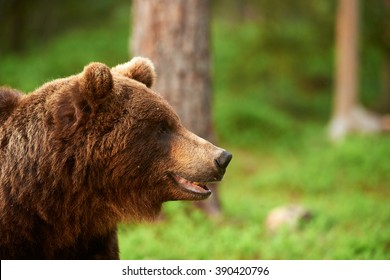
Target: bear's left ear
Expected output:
[94,85]
[140,69]
[96,82]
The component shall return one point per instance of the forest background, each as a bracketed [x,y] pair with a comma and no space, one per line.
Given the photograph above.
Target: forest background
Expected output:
[273,83]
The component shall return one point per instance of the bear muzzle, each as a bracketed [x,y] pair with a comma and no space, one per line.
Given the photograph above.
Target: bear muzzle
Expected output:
[197,163]
[196,187]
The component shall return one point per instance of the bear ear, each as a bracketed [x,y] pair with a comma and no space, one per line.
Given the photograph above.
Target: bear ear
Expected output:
[9,100]
[96,82]
[140,69]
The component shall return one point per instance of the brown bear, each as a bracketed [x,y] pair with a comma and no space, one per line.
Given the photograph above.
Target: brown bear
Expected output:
[83,153]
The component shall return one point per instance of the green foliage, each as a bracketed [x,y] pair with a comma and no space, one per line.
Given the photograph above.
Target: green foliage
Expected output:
[67,54]
[22,25]
[272,97]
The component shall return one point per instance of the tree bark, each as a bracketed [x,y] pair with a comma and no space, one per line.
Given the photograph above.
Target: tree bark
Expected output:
[348,115]
[175,35]
[346,60]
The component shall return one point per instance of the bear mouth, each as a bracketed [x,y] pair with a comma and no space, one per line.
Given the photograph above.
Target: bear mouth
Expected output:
[199,189]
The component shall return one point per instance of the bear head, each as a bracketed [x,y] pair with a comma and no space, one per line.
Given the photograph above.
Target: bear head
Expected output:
[101,146]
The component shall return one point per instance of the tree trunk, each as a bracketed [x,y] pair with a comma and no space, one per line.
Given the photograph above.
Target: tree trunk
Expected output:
[346,60]
[175,35]
[348,115]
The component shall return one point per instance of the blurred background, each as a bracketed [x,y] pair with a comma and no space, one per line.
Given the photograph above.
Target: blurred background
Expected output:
[307,129]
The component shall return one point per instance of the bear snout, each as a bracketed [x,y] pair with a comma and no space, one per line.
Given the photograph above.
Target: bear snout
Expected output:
[222,161]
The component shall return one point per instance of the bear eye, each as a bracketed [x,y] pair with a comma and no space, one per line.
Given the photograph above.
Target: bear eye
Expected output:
[164,128]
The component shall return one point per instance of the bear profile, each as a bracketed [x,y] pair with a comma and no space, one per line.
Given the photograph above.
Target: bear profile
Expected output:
[83,153]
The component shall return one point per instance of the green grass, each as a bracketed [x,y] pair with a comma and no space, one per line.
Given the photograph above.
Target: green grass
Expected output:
[276,129]
[346,188]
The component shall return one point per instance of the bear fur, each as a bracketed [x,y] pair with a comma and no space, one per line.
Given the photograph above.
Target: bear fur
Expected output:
[83,153]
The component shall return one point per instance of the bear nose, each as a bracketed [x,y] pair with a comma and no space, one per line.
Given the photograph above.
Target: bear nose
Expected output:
[223,161]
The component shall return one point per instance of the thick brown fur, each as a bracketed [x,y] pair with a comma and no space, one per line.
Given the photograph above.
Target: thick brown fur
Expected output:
[83,153]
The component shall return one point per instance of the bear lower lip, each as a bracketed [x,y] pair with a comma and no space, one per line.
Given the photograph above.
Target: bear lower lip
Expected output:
[198,188]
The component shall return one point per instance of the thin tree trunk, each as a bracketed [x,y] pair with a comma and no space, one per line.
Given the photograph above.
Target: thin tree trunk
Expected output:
[346,57]
[175,35]
[348,115]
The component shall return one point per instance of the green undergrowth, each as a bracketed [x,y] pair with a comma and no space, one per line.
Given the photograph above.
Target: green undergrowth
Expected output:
[345,188]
